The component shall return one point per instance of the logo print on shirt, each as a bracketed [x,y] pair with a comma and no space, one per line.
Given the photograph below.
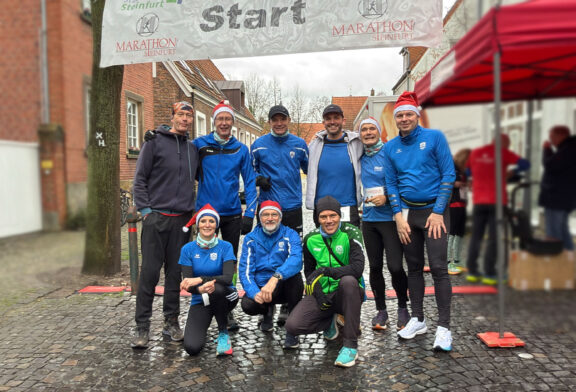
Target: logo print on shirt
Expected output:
[292,154]
[378,168]
[339,249]
[213,256]
[422,145]
[281,246]
[196,256]
[398,151]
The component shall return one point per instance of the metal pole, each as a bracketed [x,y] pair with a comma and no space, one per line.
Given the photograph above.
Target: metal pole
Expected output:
[132,220]
[44,65]
[500,243]
[527,201]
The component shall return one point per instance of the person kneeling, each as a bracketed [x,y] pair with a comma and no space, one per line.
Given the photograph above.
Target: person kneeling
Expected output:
[333,264]
[208,267]
[270,267]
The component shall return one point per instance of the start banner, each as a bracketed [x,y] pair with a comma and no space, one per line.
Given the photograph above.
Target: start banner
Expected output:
[140,31]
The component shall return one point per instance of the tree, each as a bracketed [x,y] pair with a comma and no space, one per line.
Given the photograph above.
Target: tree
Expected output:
[102,253]
[298,107]
[258,97]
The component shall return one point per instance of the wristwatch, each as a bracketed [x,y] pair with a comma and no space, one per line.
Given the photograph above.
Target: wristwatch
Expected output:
[277,275]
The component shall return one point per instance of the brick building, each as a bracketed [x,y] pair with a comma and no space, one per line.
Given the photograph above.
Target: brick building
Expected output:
[45,86]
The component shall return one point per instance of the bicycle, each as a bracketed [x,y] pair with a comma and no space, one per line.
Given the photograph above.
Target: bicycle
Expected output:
[125,203]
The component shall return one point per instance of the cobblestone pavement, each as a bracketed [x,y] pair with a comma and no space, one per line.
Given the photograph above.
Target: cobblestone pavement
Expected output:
[75,342]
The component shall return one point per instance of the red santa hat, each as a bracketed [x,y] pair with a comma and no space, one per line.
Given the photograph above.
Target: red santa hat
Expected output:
[371,120]
[223,106]
[407,101]
[207,210]
[270,205]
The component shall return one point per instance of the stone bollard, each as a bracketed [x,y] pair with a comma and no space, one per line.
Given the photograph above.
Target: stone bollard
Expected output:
[132,220]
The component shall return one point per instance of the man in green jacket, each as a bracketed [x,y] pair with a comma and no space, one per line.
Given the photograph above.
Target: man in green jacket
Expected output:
[333,265]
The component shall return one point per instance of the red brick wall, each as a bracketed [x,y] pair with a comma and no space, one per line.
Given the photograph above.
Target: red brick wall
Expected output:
[70,59]
[20,88]
[137,80]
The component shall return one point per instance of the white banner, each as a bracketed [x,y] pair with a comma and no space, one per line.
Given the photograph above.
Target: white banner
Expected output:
[140,31]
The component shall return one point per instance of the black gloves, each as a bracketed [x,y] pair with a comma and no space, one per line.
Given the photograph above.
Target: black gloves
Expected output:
[264,183]
[246,225]
[313,278]
[313,287]
[149,135]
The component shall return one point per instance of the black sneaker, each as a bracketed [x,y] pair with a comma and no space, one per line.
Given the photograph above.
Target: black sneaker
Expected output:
[172,329]
[141,338]
[403,318]
[283,315]
[291,341]
[267,323]
[232,323]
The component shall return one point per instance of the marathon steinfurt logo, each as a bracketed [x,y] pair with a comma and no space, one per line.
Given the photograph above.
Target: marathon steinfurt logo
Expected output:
[292,154]
[213,256]
[371,9]
[339,249]
[422,145]
[147,25]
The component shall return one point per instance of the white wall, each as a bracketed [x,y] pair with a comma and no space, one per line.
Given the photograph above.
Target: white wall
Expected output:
[20,198]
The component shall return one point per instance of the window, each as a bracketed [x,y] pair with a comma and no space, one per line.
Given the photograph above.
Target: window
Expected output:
[86,9]
[200,124]
[235,132]
[133,124]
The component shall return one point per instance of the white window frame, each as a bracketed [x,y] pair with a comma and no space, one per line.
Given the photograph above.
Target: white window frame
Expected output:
[133,124]
[200,124]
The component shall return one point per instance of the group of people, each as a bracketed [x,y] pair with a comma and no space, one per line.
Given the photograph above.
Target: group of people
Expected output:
[403,188]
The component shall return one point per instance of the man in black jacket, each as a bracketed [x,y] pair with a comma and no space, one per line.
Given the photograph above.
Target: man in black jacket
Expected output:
[558,188]
[165,196]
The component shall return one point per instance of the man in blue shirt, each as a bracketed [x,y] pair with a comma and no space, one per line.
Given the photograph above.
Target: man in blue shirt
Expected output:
[419,179]
[334,166]
[278,158]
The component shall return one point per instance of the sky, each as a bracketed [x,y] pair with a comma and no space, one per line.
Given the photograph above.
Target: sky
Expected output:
[338,73]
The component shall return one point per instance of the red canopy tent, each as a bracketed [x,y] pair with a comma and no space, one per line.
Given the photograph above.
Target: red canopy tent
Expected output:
[537,43]
[523,51]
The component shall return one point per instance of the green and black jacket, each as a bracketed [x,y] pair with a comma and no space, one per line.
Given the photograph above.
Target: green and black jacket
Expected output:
[346,244]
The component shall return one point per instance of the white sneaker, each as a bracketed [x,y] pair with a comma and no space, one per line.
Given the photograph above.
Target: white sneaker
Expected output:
[443,340]
[413,328]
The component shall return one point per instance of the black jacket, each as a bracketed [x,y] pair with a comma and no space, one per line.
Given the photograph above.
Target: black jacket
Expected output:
[166,173]
[558,186]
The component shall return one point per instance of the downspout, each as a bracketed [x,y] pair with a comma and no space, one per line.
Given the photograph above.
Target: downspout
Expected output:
[44,65]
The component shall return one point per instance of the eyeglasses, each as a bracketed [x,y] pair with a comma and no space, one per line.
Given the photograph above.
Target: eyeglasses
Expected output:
[266,215]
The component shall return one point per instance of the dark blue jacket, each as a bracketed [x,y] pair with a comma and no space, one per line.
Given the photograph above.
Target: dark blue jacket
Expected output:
[165,173]
[219,176]
[280,159]
[263,255]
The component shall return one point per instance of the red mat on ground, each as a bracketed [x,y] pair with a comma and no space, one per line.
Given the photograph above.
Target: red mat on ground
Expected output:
[389,293]
[493,339]
[102,289]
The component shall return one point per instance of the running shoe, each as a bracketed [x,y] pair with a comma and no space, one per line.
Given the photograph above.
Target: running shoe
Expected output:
[473,278]
[453,269]
[403,318]
[223,347]
[346,357]
[291,341]
[332,332]
[443,340]
[380,320]
[413,328]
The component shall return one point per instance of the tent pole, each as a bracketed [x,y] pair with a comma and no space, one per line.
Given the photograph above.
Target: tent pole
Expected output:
[527,202]
[499,208]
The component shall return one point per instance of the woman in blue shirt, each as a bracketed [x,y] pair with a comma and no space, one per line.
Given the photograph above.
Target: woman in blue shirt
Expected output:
[379,229]
[208,266]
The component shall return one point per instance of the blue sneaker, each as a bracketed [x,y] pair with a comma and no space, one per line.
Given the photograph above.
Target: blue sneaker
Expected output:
[443,340]
[346,357]
[224,347]
[332,332]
